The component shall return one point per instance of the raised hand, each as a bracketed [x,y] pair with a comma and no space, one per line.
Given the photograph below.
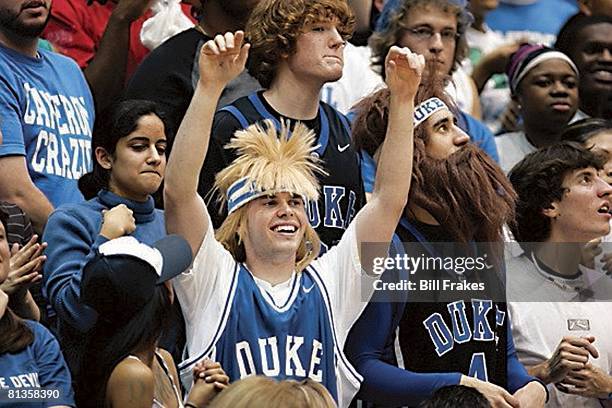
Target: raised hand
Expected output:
[223,58]
[4,299]
[118,221]
[25,267]
[607,263]
[403,70]
[589,252]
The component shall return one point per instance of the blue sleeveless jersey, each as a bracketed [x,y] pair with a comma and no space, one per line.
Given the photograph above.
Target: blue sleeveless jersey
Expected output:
[289,341]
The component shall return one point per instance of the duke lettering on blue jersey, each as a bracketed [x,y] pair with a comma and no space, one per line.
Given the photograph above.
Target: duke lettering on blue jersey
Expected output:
[289,341]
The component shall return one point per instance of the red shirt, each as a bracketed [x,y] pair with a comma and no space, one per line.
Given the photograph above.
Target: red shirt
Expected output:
[75,29]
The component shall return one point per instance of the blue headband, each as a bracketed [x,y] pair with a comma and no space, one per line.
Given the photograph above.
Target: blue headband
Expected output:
[243,191]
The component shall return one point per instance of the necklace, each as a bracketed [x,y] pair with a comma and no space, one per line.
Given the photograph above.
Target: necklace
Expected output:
[558,282]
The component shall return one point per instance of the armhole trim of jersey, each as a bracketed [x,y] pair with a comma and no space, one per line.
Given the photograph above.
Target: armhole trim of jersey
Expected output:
[343,360]
[235,112]
[187,364]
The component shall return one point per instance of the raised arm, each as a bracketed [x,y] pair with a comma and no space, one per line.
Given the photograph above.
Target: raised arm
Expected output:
[221,60]
[376,222]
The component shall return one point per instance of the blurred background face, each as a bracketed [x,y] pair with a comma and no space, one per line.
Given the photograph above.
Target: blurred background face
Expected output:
[432,32]
[549,93]
[593,57]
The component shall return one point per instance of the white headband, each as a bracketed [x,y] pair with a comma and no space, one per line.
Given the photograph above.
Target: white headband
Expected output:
[545,56]
[426,109]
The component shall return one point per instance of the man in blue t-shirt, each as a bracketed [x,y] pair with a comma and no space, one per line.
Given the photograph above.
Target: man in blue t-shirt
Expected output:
[46,116]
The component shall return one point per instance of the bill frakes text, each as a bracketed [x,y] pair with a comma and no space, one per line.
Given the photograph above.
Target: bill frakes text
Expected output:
[424,285]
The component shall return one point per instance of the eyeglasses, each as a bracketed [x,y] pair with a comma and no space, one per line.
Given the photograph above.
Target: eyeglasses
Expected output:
[426,34]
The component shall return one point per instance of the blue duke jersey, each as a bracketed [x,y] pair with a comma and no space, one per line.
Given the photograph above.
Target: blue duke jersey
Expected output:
[232,319]
[459,332]
[341,194]
[407,344]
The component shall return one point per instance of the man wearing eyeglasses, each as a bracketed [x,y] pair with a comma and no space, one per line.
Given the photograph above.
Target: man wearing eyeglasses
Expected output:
[435,29]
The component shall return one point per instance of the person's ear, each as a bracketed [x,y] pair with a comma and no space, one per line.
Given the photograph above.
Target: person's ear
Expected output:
[104,158]
[552,211]
[516,99]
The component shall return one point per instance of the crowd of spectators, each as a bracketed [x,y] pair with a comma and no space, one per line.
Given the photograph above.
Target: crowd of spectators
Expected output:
[184,217]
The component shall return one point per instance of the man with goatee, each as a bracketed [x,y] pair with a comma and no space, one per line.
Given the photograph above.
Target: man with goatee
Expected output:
[449,319]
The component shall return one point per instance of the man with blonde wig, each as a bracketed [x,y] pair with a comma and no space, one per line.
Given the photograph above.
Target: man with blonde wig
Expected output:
[254,300]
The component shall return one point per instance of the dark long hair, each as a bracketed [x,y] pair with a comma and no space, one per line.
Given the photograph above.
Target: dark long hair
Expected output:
[15,335]
[114,123]
[109,342]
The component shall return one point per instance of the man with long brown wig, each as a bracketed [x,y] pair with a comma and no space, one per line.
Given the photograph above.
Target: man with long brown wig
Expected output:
[296,47]
[450,320]
[256,299]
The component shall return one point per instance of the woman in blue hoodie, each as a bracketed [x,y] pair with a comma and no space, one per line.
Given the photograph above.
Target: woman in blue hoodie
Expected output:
[129,161]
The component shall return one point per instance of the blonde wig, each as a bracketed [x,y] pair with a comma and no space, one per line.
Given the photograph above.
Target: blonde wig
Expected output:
[268,163]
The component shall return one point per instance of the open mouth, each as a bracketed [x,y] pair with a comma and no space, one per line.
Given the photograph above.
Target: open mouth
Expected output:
[605,209]
[285,229]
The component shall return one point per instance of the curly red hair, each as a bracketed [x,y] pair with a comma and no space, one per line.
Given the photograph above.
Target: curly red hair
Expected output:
[274,26]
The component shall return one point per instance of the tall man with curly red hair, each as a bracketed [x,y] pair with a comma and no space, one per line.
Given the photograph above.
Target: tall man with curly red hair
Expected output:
[296,47]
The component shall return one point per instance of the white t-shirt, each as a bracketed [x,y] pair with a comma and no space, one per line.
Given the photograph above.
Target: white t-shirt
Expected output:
[538,327]
[358,80]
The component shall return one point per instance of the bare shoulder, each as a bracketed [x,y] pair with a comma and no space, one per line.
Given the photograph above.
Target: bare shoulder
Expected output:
[166,356]
[170,363]
[131,383]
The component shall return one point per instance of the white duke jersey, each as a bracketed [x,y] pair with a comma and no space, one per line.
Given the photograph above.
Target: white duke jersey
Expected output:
[232,320]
